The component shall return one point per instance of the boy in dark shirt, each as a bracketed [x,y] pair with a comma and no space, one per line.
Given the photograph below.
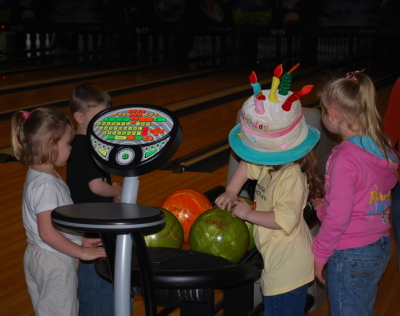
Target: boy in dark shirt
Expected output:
[90,184]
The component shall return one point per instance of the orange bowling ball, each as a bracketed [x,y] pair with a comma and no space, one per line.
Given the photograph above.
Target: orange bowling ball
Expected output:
[186,205]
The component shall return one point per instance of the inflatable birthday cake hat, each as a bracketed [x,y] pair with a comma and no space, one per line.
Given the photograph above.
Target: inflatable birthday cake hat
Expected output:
[273,131]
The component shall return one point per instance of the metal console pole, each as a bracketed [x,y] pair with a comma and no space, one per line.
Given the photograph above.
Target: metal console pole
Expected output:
[123,256]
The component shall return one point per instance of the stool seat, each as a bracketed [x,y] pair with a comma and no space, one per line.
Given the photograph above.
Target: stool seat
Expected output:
[129,222]
[118,218]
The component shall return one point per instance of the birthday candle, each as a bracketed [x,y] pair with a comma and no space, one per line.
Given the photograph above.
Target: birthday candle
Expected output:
[256,86]
[275,84]
[295,96]
[286,81]
[258,95]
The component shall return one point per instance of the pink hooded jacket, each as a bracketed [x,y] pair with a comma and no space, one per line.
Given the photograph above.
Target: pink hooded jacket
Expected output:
[357,200]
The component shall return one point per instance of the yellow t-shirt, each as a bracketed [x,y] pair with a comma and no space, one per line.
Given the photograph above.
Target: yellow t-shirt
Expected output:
[288,259]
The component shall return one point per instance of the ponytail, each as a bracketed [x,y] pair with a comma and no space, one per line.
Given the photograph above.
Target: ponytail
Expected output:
[33,134]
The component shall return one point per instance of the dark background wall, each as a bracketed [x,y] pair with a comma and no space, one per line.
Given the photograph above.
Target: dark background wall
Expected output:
[123,20]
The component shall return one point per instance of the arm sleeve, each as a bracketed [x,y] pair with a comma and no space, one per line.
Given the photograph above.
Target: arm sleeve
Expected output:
[339,204]
[291,197]
[45,198]
[253,171]
[88,167]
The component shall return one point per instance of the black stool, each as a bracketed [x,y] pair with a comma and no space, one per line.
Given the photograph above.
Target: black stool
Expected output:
[128,222]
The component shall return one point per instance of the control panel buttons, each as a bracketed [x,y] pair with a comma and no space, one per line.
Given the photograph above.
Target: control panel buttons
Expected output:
[125,156]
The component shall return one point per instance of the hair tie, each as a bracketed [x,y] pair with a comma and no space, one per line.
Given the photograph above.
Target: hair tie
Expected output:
[351,74]
[26,115]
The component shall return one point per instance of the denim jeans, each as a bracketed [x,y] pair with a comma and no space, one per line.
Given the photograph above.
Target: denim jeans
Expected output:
[353,276]
[291,303]
[95,295]
[396,218]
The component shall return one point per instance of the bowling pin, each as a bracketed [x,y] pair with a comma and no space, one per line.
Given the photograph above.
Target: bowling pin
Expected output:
[138,47]
[283,46]
[28,43]
[37,43]
[99,41]
[264,46]
[150,44]
[90,45]
[160,47]
[354,46]
[334,48]
[294,48]
[208,49]
[47,43]
[90,42]
[218,47]
[160,44]
[272,48]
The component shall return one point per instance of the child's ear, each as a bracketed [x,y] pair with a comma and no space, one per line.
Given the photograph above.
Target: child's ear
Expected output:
[333,113]
[78,117]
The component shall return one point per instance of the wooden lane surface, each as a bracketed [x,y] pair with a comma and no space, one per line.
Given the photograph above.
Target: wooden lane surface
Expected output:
[22,79]
[156,96]
[216,122]
[210,125]
[30,98]
[75,70]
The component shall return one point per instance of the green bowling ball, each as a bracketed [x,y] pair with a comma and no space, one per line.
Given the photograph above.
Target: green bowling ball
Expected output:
[216,232]
[171,236]
[250,226]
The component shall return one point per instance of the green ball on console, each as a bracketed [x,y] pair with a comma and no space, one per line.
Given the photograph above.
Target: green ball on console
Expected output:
[216,232]
[171,236]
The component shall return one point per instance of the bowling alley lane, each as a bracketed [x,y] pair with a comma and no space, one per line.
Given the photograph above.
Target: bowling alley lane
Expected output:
[205,126]
[161,95]
[86,71]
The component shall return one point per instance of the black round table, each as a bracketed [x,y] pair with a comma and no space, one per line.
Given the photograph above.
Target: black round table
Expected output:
[128,222]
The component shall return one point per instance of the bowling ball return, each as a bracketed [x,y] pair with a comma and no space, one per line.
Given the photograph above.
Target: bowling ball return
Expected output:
[187,279]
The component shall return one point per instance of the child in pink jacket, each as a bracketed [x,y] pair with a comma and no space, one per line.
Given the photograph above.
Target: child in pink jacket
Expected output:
[354,237]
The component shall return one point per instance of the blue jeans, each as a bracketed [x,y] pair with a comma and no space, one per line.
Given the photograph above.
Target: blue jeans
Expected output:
[95,295]
[353,276]
[291,303]
[396,218]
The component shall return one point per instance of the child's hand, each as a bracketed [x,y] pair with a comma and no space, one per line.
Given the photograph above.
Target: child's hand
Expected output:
[318,268]
[91,253]
[117,198]
[241,209]
[91,242]
[226,200]
[317,202]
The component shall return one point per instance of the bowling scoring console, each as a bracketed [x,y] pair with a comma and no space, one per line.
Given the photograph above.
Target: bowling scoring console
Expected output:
[131,140]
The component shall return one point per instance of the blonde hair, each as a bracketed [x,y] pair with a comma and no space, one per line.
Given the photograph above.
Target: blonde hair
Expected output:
[87,96]
[309,166]
[355,99]
[35,134]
